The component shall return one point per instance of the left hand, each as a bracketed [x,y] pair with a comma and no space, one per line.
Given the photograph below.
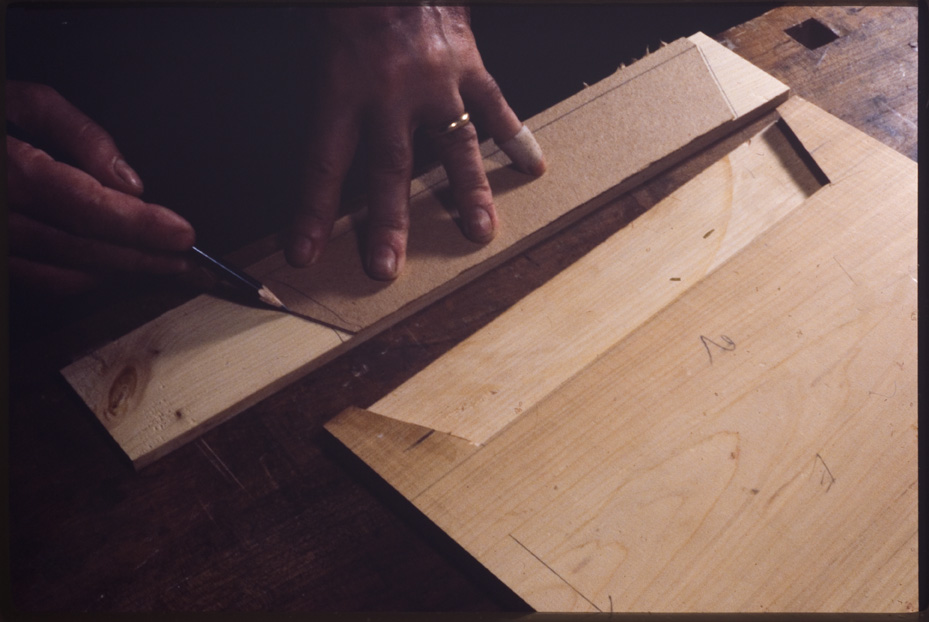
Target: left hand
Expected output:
[387,72]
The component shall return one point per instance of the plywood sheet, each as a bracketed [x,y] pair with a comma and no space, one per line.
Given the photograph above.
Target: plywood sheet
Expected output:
[752,446]
[651,112]
[207,360]
[477,389]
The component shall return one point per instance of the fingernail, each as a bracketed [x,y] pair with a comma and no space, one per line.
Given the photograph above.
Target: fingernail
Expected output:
[481,226]
[524,151]
[302,251]
[383,263]
[125,172]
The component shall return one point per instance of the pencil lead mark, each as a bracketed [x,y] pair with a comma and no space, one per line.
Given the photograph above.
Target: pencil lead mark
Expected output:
[844,270]
[592,604]
[315,302]
[885,396]
[421,439]
[827,479]
[728,347]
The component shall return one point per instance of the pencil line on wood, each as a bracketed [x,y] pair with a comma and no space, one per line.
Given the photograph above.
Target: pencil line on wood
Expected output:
[592,604]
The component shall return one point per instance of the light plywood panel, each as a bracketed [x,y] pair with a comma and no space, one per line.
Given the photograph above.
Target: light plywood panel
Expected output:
[207,360]
[476,390]
[752,446]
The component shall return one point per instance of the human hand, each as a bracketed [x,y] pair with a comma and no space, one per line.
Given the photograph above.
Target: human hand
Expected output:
[73,227]
[388,71]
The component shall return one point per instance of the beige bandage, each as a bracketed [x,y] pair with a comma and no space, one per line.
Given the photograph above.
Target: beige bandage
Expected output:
[524,152]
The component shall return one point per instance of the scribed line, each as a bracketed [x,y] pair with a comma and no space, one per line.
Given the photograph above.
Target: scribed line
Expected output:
[718,83]
[315,302]
[558,575]
[218,464]
[582,105]
[421,439]
[844,270]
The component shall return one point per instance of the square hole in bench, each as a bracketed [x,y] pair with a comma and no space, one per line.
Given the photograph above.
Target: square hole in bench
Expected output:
[812,33]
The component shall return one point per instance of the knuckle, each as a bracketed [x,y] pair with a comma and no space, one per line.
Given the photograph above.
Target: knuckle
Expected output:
[390,221]
[475,197]
[93,136]
[100,217]
[312,219]
[24,161]
[393,156]
[488,85]
[323,169]
[435,60]
[477,188]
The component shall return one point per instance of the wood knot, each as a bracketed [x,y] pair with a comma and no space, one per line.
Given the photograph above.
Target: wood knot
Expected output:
[121,392]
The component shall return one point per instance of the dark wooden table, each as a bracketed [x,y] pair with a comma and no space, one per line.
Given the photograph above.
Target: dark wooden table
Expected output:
[267,512]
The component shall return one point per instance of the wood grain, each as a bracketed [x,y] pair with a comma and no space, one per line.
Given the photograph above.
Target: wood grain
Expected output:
[476,390]
[750,447]
[194,367]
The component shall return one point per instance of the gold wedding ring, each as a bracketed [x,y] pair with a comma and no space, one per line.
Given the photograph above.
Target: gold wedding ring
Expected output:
[457,124]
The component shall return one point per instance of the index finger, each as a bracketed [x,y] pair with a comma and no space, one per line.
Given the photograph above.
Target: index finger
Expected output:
[72,200]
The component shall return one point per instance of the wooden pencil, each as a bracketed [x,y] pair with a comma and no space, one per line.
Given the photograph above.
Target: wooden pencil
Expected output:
[240,280]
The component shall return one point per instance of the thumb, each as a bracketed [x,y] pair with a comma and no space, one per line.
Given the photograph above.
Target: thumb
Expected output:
[42,111]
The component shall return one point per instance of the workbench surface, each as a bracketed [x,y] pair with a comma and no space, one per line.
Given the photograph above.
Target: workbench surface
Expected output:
[267,511]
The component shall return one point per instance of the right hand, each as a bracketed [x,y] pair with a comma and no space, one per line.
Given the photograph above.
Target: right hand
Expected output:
[70,228]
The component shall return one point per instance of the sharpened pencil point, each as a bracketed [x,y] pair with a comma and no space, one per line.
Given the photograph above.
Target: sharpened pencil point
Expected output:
[268,297]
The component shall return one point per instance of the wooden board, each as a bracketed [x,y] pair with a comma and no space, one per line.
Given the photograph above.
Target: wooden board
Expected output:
[751,446]
[192,368]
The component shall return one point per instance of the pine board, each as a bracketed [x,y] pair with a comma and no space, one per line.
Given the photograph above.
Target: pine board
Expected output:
[192,368]
[751,446]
